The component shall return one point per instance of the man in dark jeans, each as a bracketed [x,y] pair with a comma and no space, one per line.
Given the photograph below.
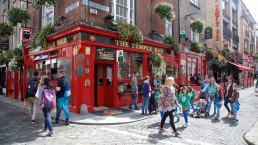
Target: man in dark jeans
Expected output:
[61,100]
[134,86]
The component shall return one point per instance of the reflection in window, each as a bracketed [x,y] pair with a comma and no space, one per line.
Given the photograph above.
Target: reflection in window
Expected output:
[54,69]
[138,64]
[124,67]
[109,76]
[100,74]
[47,68]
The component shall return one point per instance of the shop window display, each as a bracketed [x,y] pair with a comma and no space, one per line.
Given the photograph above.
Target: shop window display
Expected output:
[138,64]
[124,67]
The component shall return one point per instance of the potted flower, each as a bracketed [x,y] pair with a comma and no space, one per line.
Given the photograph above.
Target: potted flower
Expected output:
[17,15]
[196,47]
[15,64]
[156,59]
[172,41]
[197,26]
[5,30]
[36,4]
[41,37]
[164,10]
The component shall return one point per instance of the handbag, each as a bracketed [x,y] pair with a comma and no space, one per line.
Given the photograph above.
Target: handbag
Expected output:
[236,107]
[218,105]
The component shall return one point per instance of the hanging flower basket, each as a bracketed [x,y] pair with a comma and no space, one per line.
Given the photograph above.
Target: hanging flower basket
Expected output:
[172,41]
[197,26]
[156,59]
[41,37]
[164,10]
[36,4]
[5,30]
[127,31]
[196,47]
[15,64]
[17,15]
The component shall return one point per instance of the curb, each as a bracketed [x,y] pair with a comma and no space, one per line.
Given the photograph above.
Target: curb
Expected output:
[249,142]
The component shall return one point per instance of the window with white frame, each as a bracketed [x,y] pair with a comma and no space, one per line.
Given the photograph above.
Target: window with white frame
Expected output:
[123,10]
[5,18]
[168,28]
[195,2]
[194,37]
[48,15]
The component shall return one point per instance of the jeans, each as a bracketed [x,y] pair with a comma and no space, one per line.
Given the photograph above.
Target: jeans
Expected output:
[209,104]
[161,114]
[48,124]
[134,100]
[234,114]
[33,108]
[218,112]
[177,113]
[171,117]
[192,103]
[185,116]
[60,103]
[145,104]
[226,104]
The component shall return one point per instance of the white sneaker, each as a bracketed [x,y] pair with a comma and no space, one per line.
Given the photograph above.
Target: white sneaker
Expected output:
[186,125]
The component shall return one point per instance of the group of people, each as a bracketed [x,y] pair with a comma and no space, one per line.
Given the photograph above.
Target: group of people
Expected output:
[173,100]
[41,94]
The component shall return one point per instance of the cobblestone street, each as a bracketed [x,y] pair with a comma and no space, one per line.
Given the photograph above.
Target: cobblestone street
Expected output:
[16,128]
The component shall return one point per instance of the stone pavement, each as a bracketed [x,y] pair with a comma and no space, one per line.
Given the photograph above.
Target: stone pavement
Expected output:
[251,136]
[89,118]
[15,128]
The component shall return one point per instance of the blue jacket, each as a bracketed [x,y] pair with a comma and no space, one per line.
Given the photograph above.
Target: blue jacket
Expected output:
[210,89]
[146,89]
[204,84]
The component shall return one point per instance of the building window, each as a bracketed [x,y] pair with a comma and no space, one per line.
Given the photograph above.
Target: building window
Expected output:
[192,70]
[195,2]
[123,10]
[194,37]
[5,18]
[48,15]
[138,64]
[168,28]
[124,67]
[246,46]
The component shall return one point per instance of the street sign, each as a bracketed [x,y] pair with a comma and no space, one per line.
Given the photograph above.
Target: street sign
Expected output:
[182,34]
[120,55]
[208,33]
[4,45]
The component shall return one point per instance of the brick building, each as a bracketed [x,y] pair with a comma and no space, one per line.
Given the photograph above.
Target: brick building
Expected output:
[85,47]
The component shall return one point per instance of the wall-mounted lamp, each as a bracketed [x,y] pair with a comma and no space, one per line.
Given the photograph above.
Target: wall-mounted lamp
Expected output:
[60,21]
[186,16]
[154,32]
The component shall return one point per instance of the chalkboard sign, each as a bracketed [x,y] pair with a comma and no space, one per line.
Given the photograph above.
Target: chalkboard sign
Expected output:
[105,54]
[208,33]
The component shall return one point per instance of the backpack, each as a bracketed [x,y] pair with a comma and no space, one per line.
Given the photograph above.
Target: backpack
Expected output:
[67,92]
[48,98]
[33,87]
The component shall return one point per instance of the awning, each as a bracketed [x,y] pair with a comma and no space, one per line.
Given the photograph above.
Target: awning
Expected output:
[241,67]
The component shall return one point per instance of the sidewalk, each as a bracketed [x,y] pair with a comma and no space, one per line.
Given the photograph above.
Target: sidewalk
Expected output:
[90,119]
[251,137]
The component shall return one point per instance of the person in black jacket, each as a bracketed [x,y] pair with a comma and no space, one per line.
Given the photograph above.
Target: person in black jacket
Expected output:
[218,101]
[228,94]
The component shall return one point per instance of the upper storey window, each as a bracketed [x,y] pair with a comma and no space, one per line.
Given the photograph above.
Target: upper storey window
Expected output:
[124,10]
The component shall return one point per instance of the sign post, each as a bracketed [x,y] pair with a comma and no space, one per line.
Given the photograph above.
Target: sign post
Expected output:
[182,34]
[120,55]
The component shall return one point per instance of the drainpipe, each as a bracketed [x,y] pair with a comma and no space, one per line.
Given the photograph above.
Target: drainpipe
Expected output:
[178,21]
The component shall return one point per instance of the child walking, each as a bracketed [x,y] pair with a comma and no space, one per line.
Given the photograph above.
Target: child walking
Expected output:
[157,98]
[192,95]
[234,102]
[218,101]
[184,99]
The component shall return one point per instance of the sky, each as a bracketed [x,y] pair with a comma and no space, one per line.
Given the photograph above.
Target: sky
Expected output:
[252,6]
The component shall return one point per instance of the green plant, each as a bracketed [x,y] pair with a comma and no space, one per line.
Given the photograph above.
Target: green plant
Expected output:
[156,59]
[172,41]
[197,26]
[197,47]
[41,37]
[15,64]
[216,59]
[17,15]
[164,10]
[5,30]
[36,4]
[127,31]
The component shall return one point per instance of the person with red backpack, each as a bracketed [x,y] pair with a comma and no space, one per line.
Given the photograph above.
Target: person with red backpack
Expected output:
[63,97]
[46,99]
[30,96]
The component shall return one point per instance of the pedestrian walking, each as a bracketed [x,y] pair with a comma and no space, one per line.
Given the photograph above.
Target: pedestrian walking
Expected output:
[157,98]
[157,82]
[134,86]
[30,95]
[167,103]
[211,90]
[192,94]
[184,100]
[218,101]
[63,97]
[46,99]
[235,105]
[146,93]
[228,95]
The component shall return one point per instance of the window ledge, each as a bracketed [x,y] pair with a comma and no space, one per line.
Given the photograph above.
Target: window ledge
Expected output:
[195,5]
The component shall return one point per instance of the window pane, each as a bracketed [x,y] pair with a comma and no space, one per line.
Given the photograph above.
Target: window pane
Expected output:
[124,67]
[109,75]
[138,64]
[54,69]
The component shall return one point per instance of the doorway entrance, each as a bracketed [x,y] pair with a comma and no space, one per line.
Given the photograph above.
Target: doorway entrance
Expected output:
[104,74]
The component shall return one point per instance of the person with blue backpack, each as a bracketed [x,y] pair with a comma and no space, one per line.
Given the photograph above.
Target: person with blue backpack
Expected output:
[63,97]
[46,99]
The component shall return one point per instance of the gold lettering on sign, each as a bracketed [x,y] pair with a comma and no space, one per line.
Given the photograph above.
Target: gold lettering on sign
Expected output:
[105,54]
[61,41]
